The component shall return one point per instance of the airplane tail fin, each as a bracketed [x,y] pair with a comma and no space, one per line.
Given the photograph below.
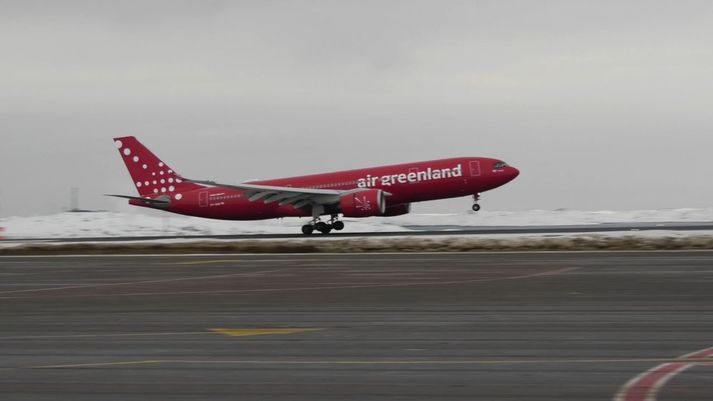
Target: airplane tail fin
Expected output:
[151,176]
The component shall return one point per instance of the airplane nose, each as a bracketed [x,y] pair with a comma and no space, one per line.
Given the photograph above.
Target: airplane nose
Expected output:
[514,173]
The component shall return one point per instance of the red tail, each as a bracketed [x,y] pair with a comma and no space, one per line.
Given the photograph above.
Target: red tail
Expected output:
[151,176]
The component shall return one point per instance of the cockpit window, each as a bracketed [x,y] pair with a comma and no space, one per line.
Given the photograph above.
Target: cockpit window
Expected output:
[500,165]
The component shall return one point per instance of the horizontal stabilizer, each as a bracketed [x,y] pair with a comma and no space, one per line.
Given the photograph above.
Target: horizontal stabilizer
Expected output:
[148,201]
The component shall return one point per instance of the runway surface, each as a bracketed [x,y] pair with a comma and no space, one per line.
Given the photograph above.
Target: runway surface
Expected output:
[416,230]
[510,326]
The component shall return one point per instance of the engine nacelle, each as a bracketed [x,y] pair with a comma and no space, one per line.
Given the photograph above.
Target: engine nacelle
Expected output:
[397,210]
[366,203]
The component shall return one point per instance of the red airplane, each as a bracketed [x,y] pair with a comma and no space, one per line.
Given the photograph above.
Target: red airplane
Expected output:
[377,191]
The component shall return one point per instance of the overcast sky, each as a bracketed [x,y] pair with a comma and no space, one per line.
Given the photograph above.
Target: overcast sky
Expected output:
[600,104]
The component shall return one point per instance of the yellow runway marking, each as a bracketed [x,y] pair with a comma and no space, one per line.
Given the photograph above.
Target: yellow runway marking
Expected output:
[378,362]
[249,261]
[425,362]
[70,336]
[229,332]
[96,365]
[259,332]
[206,262]
[434,362]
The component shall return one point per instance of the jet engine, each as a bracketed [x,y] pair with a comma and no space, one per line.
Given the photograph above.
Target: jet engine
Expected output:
[369,202]
[397,210]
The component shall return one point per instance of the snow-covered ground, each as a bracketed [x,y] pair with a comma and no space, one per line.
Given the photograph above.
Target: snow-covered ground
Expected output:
[110,224]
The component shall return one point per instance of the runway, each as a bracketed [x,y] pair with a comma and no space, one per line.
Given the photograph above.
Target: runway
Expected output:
[415,231]
[460,326]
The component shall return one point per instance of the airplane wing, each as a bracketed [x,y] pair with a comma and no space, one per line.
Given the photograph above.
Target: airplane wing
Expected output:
[298,197]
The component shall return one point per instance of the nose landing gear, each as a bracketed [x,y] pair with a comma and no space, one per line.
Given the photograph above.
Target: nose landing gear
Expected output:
[476,206]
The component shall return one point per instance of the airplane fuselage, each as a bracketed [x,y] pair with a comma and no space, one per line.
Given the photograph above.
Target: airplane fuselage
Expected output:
[403,183]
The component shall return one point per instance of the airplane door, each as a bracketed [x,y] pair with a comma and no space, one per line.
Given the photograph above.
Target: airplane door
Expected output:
[203,199]
[475,168]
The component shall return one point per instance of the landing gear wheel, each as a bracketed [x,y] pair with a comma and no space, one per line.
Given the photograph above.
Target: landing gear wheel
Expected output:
[323,227]
[476,207]
[307,229]
[338,225]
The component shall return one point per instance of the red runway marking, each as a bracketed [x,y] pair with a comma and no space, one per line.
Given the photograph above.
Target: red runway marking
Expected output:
[646,386]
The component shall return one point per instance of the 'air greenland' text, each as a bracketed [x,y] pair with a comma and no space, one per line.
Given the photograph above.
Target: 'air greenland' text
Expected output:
[428,174]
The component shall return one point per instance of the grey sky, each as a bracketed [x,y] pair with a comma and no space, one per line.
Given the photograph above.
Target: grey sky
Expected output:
[602,105]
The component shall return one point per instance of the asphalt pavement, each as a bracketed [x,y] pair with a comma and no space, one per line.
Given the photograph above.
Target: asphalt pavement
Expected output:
[480,326]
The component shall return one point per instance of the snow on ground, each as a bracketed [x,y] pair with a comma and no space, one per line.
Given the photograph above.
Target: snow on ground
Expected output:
[111,224]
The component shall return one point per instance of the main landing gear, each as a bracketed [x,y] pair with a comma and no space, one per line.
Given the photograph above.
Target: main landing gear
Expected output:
[476,206]
[324,228]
